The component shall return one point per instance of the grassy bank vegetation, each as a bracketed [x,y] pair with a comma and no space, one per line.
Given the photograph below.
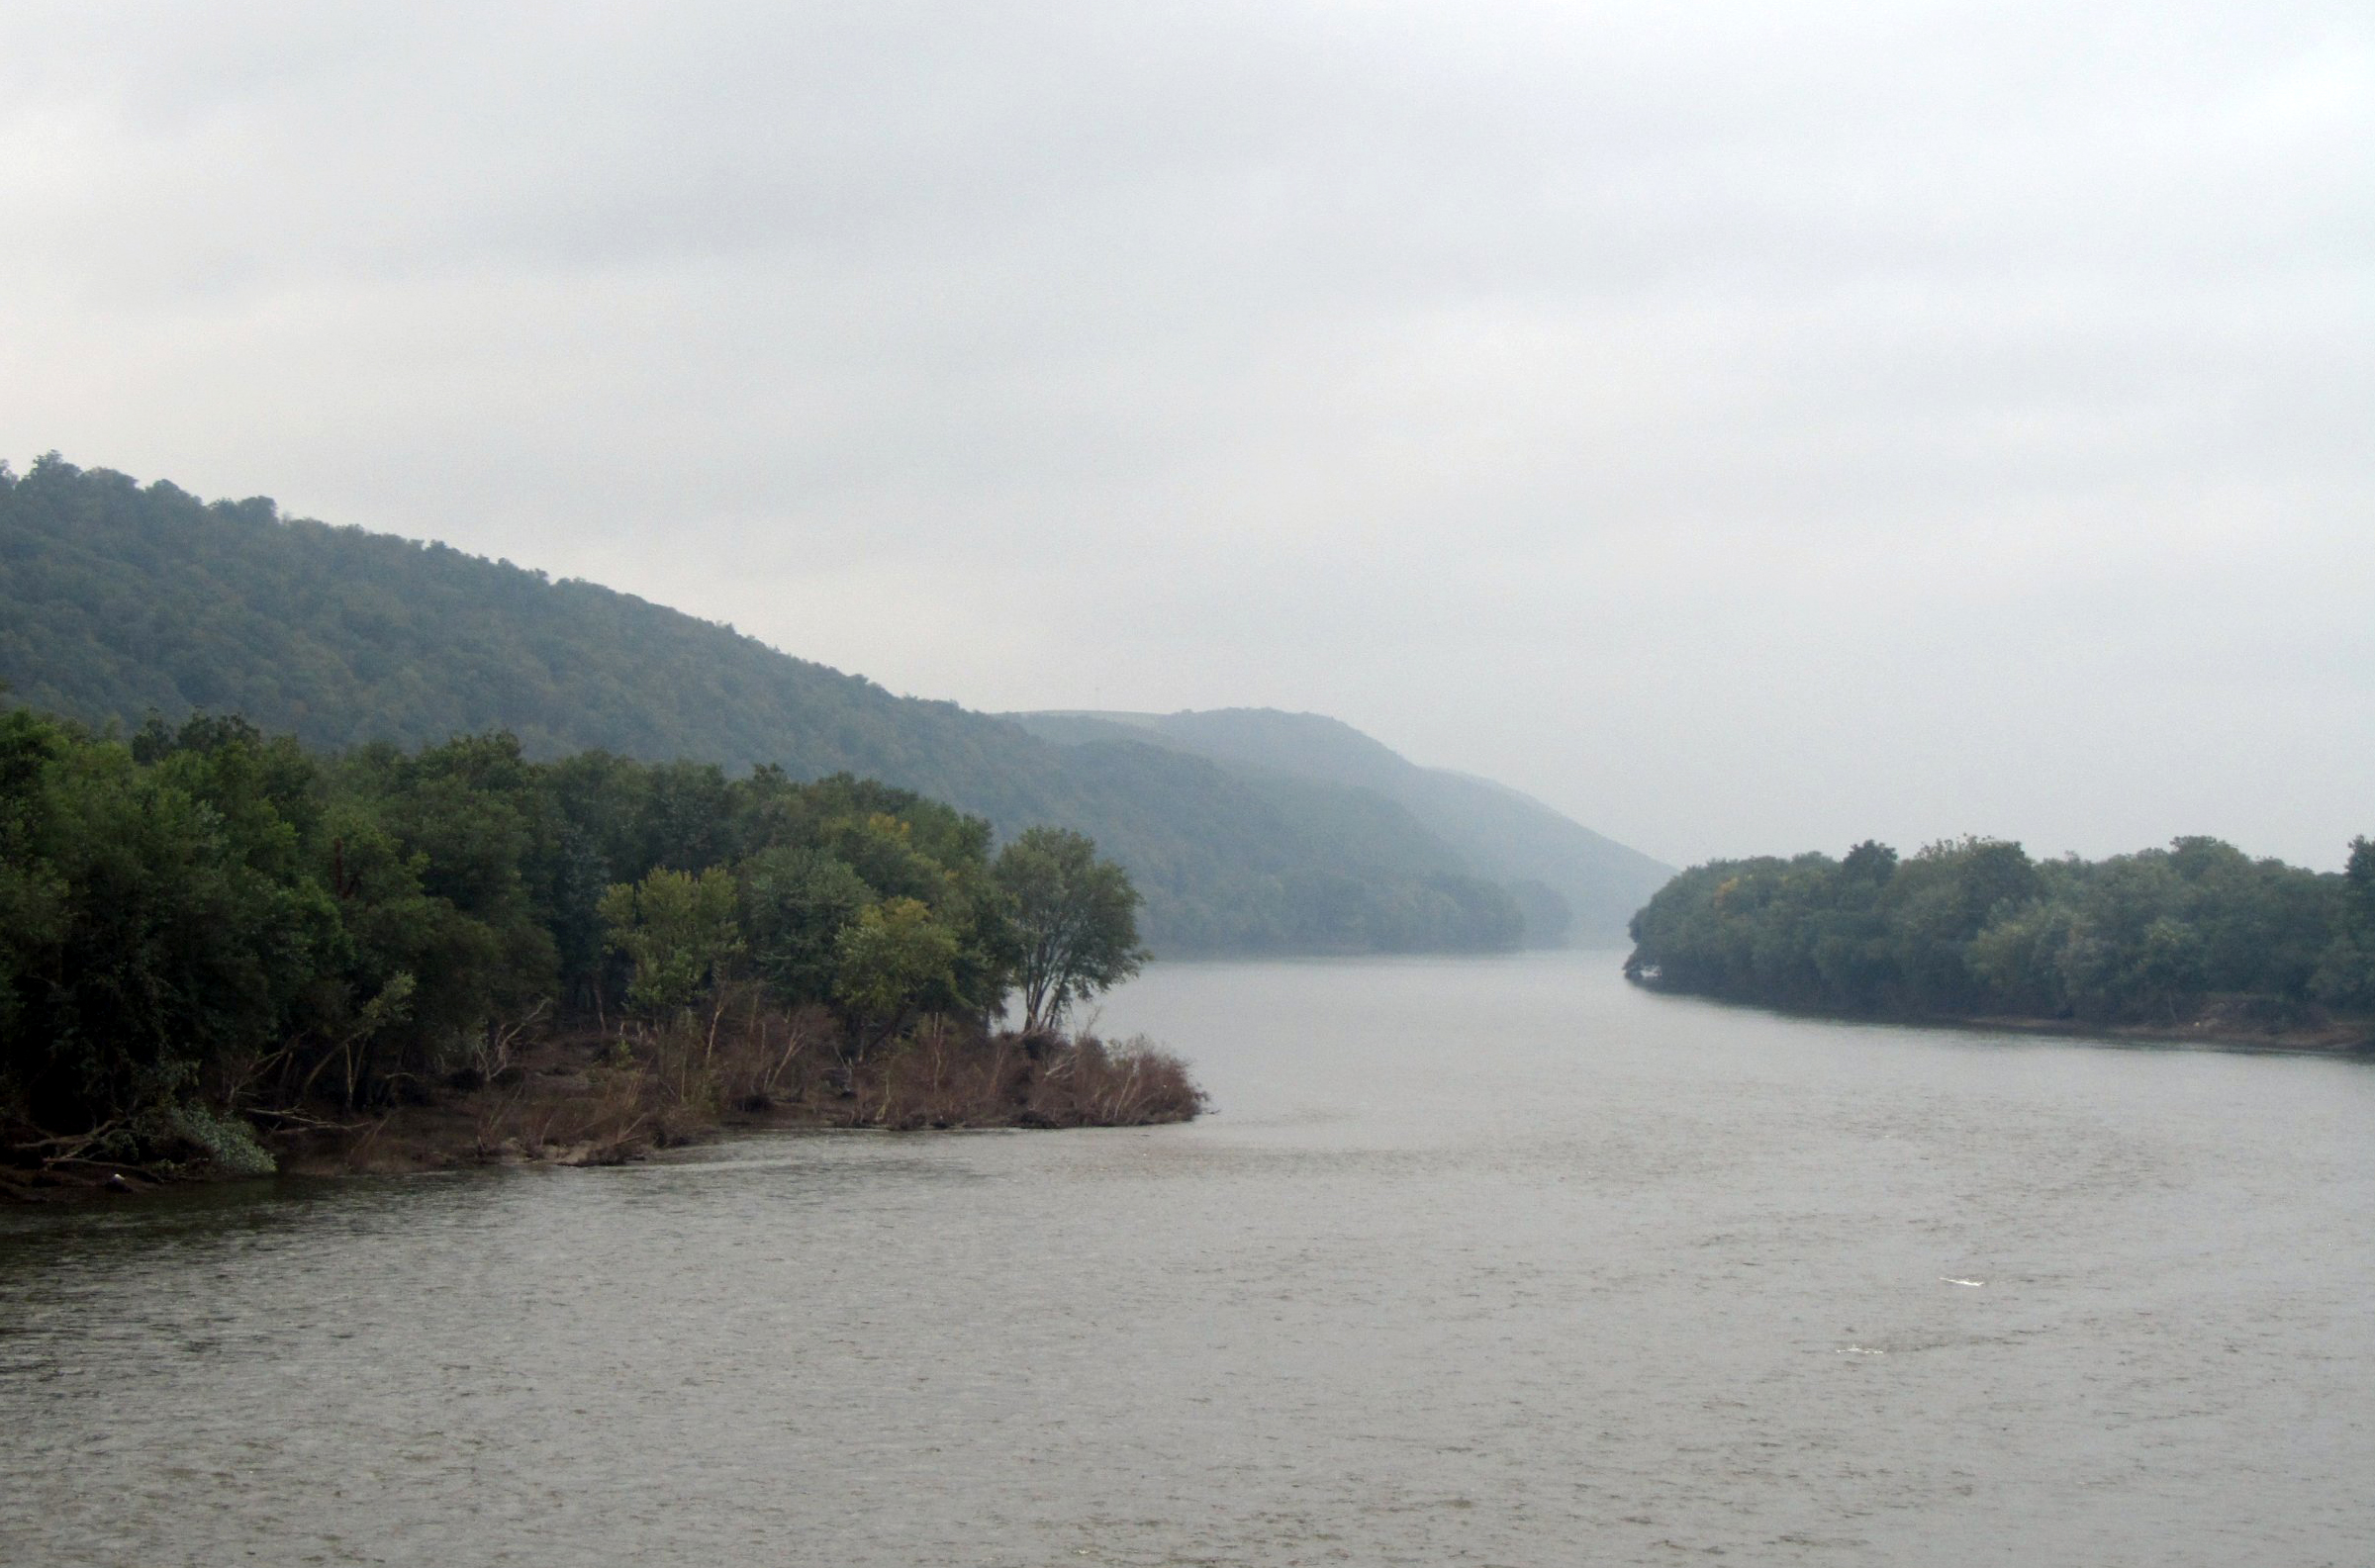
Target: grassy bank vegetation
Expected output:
[2196,938]
[217,950]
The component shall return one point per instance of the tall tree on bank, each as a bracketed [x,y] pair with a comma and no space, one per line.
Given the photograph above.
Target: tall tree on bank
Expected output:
[1076,921]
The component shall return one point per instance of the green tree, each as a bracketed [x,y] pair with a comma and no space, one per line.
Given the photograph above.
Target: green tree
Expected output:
[797,902]
[680,932]
[154,936]
[2346,971]
[2358,879]
[894,958]
[1076,921]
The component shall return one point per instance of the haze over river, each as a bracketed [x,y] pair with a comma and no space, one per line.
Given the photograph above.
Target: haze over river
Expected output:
[1479,1261]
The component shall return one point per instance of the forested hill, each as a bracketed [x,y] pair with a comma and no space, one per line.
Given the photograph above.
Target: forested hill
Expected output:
[119,599]
[1572,882]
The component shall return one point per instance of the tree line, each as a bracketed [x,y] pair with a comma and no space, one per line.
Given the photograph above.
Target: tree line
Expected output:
[1975,927]
[201,921]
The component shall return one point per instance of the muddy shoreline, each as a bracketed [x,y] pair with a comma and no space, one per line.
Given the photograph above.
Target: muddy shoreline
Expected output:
[2218,1029]
[582,1101]
[2325,1039]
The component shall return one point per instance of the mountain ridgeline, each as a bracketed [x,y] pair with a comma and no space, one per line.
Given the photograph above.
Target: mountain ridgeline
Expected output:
[1572,885]
[118,601]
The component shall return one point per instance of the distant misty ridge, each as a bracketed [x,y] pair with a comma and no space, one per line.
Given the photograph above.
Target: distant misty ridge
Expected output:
[1247,830]
[1568,879]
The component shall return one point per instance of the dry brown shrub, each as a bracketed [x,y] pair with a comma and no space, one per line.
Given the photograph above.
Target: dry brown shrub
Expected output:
[1090,1083]
[943,1076]
[594,1097]
[770,1059]
[939,1075]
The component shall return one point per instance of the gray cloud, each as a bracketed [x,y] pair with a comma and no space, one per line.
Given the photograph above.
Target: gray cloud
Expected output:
[1746,428]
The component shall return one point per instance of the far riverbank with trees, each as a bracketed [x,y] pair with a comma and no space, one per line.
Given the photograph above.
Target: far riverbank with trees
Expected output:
[2194,941]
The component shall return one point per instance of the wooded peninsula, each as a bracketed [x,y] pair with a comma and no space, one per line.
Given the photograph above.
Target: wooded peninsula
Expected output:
[2197,941]
[221,953]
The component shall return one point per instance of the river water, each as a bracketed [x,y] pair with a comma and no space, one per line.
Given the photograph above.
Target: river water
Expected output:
[1479,1261]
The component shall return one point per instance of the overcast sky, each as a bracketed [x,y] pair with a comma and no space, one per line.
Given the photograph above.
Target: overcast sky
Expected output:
[1747,427]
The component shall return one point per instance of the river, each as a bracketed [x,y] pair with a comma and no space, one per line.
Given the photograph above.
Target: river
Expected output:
[1488,1262]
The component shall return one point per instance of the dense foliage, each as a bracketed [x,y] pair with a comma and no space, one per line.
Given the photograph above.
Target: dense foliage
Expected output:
[1975,927]
[117,600]
[205,920]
